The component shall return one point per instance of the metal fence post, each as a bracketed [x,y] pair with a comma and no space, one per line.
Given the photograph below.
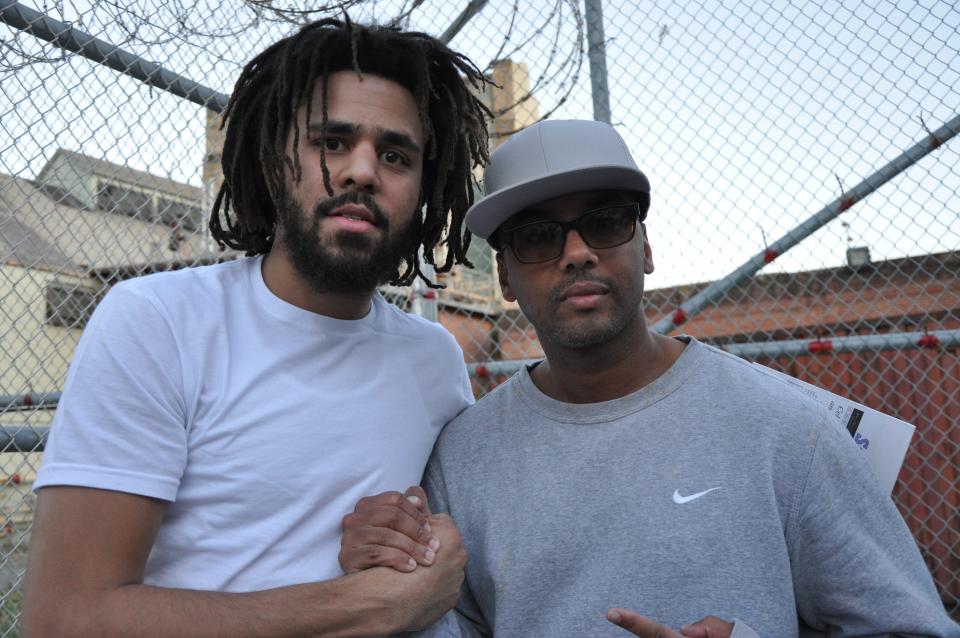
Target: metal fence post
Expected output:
[597,53]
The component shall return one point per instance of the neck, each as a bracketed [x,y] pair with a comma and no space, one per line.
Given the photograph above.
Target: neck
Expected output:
[282,280]
[606,371]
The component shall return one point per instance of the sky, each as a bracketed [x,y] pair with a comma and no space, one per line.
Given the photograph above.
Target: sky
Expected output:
[747,117]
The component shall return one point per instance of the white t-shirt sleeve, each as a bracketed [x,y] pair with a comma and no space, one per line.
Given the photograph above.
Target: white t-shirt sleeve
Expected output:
[121,422]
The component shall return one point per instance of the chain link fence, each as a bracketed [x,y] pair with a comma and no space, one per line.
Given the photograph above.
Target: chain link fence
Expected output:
[806,193]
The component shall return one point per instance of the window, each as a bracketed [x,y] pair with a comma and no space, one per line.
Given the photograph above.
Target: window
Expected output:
[176,213]
[70,305]
[114,198]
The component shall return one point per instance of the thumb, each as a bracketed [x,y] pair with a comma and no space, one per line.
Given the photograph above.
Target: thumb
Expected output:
[694,630]
[708,627]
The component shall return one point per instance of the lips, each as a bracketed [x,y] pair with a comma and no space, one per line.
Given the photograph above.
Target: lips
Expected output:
[353,218]
[583,289]
[354,212]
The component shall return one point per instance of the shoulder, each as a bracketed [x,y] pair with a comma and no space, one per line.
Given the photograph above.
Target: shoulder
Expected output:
[141,313]
[770,398]
[484,417]
[188,283]
[181,296]
[397,323]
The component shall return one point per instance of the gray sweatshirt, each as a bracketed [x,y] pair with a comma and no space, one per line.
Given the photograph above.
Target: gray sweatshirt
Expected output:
[712,491]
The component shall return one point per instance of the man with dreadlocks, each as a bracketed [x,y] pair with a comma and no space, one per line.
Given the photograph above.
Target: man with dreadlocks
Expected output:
[218,423]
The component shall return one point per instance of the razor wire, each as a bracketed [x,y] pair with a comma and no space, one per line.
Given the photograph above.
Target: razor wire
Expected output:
[757,123]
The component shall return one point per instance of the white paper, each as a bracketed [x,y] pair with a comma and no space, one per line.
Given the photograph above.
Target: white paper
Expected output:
[881,438]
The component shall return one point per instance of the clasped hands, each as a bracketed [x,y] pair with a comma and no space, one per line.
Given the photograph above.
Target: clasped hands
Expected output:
[394,530]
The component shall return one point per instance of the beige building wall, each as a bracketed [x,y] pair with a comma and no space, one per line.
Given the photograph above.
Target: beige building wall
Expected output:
[513,105]
[37,353]
[36,358]
[212,160]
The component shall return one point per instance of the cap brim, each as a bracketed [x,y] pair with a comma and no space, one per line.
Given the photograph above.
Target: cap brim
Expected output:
[485,216]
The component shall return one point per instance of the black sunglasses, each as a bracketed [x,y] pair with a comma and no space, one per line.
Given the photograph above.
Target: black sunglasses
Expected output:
[606,227]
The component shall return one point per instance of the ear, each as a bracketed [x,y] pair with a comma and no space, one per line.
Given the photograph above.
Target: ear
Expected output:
[647,251]
[504,277]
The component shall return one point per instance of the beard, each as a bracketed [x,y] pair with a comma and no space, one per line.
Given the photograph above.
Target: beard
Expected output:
[586,333]
[352,263]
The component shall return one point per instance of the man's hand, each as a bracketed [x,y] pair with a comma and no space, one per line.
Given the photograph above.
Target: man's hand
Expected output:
[388,530]
[418,599]
[709,627]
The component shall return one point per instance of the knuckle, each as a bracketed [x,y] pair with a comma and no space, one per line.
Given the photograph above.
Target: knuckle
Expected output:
[393,498]
[395,517]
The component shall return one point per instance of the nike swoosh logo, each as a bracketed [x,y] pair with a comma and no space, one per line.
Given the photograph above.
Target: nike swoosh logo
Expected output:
[680,500]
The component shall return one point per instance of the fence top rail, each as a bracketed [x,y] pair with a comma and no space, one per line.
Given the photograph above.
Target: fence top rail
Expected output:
[72,39]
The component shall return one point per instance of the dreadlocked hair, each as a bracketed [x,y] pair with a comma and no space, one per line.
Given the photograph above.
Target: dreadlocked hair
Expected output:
[262,112]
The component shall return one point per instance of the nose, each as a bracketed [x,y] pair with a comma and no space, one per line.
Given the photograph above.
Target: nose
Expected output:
[360,170]
[576,253]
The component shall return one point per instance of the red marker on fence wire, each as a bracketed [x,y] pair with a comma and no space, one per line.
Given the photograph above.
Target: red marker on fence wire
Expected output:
[820,346]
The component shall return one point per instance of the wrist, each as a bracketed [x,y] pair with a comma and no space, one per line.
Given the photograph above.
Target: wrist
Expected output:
[374,595]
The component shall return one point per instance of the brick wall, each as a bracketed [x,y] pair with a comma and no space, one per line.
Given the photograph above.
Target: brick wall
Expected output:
[921,386]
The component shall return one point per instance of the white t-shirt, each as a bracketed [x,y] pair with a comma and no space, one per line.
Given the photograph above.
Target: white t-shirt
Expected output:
[262,423]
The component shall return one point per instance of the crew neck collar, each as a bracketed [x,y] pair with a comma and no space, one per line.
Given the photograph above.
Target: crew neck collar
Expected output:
[613,409]
[285,311]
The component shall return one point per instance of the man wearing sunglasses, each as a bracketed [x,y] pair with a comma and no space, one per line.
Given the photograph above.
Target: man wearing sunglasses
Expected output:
[633,473]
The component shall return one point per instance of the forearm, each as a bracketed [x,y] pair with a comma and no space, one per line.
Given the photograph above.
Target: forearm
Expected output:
[355,605]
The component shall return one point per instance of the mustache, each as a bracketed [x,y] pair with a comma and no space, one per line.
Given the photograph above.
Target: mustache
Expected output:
[578,277]
[327,206]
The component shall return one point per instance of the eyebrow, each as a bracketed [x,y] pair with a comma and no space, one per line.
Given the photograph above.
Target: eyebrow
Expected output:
[384,136]
[538,213]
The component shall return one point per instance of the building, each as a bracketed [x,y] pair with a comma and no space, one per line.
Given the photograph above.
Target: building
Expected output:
[80,216]
[83,182]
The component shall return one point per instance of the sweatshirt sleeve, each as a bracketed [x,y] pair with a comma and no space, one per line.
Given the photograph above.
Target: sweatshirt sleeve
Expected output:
[856,567]
[742,630]
[121,422]
[466,620]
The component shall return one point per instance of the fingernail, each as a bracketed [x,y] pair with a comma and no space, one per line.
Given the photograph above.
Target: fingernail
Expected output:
[411,564]
[426,526]
[434,543]
[415,500]
[613,616]
[429,555]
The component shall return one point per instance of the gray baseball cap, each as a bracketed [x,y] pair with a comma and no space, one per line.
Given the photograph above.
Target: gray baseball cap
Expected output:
[551,159]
